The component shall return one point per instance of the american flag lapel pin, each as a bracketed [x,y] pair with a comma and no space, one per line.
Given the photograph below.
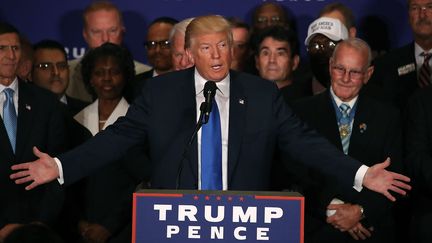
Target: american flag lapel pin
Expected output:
[363,127]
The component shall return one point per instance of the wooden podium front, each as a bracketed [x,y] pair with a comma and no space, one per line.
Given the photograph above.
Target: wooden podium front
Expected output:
[161,216]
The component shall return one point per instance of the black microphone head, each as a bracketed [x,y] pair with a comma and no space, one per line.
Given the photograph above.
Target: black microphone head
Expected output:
[210,88]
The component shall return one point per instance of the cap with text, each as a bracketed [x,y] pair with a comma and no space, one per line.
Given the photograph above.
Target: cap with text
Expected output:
[330,27]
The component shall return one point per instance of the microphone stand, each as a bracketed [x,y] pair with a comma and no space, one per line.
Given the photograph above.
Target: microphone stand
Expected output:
[202,120]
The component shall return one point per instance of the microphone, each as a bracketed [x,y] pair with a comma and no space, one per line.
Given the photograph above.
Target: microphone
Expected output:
[209,93]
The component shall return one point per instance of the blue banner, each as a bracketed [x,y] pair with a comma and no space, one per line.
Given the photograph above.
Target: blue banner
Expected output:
[227,217]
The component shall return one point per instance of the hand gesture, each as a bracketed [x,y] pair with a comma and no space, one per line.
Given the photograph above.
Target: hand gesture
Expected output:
[378,179]
[40,171]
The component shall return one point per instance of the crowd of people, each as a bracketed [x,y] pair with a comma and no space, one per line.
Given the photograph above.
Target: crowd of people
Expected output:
[344,128]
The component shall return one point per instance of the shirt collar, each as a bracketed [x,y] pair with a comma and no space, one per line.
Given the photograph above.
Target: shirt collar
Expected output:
[13,85]
[418,54]
[63,99]
[223,85]
[338,101]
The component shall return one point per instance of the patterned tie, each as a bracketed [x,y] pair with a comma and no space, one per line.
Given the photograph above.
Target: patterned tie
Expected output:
[345,126]
[10,117]
[425,71]
[211,152]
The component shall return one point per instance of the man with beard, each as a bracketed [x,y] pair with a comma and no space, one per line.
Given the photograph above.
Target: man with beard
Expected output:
[323,35]
[402,71]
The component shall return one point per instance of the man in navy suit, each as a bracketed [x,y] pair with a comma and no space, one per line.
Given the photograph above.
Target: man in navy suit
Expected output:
[372,134]
[396,74]
[164,118]
[30,116]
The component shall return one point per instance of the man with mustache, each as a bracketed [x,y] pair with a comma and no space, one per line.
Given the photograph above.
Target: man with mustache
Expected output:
[397,74]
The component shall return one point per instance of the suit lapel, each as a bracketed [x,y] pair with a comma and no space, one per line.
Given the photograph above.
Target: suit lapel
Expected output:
[359,133]
[187,94]
[26,111]
[5,146]
[237,116]
[327,117]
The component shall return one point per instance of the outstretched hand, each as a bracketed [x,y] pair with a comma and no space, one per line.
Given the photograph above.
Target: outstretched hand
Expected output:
[378,179]
[38,172]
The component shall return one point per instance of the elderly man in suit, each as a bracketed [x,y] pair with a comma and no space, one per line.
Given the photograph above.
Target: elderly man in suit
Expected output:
[30,116]
[248,123]
[362,128]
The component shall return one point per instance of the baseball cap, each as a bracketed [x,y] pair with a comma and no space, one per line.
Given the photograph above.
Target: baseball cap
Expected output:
[330,27]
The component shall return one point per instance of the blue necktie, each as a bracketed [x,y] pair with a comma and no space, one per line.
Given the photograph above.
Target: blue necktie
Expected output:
[211,152]
[10,117]
[345,126]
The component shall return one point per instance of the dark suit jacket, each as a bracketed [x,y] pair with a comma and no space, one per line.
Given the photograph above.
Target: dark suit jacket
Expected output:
[376,135]
[40,123]
[75,105]
[419,161]
[164,119]
[391,82]
[138,84]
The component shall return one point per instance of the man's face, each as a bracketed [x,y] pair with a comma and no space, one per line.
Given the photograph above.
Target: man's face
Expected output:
[103,26]
[240,47]
[158,48]
[274,61]
[320,49]
[269,15]
[179,58]
[51,70]
[420,18]
[349,72]
[10,53]
[107,79]
[211,54]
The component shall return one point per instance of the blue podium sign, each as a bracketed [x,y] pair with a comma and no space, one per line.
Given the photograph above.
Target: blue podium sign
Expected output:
[161,216]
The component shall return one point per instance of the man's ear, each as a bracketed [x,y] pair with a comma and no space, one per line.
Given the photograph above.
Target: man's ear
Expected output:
[189,55]
[295,61]
[368,74]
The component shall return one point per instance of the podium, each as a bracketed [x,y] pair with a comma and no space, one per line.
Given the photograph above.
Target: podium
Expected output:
[161,216]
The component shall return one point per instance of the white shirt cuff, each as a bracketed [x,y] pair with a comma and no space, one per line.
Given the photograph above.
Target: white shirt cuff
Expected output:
[358,180]
[330,212]
[60,179]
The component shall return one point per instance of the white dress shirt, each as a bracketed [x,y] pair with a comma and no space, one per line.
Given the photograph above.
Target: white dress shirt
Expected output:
[222,100]
[14,86]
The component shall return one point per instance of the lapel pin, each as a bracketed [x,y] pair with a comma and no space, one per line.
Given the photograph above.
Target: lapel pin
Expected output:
[363,127]
[241,101]
[28,107]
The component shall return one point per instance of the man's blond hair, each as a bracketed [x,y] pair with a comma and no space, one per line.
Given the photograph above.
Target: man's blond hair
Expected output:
[207,25]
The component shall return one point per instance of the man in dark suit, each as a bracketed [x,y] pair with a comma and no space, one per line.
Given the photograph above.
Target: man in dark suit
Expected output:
[372,133]
[30,116]
[396,75]
[51,71]
[419,150]
[164,118]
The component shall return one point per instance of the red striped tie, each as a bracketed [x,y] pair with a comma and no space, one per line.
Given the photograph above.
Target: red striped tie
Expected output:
[425,71]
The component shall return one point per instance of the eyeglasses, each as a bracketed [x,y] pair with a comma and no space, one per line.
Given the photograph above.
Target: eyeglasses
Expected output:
[273,19]
[415,8]
[163,44]
[315,47]
[353,74]
[49,66]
